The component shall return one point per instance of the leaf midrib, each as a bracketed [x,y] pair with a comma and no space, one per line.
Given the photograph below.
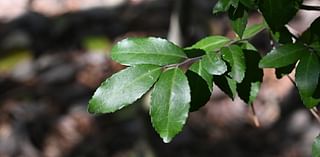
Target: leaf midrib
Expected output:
[281,55]
[134,81]
[212,43]
[170,101]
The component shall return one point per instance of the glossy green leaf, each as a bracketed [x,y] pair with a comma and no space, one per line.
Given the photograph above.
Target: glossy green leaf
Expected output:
[224,5]
[150,50]
[213,64]
[253,30]
[235,57]
[307,77]
[316,147]
[198,68]
[211,43]
[170,100]
[123,88]
[280,72]
[282,56]
[239,20]
[248,89]
[277,13]
[227,85]
[200,93]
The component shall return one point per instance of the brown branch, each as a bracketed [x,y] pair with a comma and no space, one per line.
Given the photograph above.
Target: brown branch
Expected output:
[310,8]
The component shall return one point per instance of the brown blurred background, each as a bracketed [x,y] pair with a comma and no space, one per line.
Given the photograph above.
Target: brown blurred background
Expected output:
[55,53]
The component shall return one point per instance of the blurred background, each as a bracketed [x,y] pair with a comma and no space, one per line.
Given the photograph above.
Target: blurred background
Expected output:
[55,53]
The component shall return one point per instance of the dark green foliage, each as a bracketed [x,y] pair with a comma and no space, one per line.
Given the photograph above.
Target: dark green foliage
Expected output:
[277,13]
[280,72]
[239,19]
[183,78]
[200,93]
[249,87]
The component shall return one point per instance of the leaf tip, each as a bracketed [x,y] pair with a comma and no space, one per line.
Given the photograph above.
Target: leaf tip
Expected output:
[166,139]
[92,107]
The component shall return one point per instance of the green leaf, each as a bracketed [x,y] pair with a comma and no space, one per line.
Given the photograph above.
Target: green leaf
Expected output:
[315,27]
[282,35]
[307,77]
[277,13]
[200,93]
[170,103]
[224,5]
[316,147]
[198,68]
[312,34]
[307,74]
[254,91]
[248,89]
[316,47]
[210,43]
[235,57]
[283,55]
[239,20]
[123,88]
[213,64]
[253,30]
[227,85]
[316,94]
[248,3]
[247,46]
[150,50]
[280,72]
[192,53]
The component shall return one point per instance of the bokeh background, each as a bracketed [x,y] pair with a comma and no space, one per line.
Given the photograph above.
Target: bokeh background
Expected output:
[55,53]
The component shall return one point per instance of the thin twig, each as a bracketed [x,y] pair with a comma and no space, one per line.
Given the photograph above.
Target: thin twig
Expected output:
[254,116]
[292,81]
[186,62]
[310,8]
[315,114]
[314,110]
